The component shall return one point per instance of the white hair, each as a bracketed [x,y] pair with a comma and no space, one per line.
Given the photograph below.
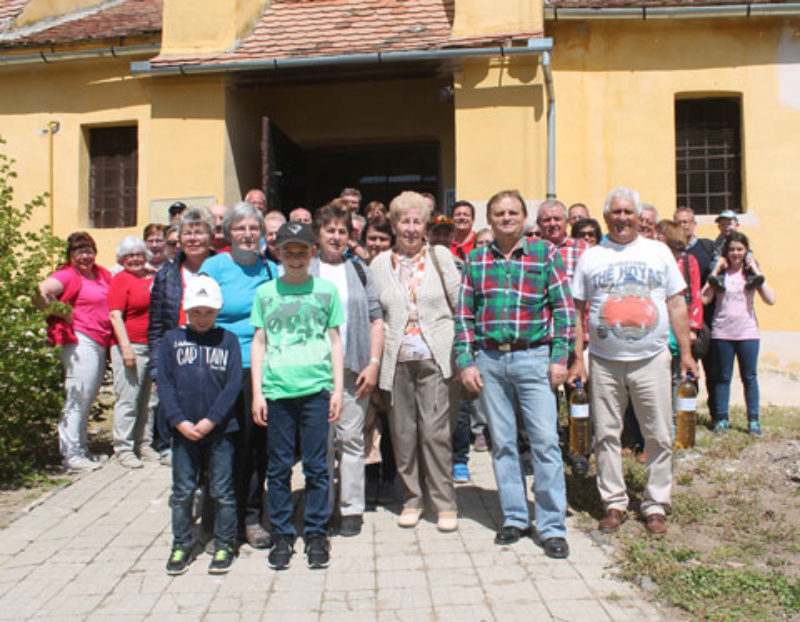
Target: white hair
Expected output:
[549,204]
[650,208]
[238,212]
[626,194]
[131,245]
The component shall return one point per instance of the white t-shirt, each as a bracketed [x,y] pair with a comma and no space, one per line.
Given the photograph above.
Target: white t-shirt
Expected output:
[626,287]
[337,274]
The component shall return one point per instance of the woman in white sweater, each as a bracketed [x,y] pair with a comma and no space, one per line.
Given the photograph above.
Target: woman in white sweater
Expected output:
[418,286]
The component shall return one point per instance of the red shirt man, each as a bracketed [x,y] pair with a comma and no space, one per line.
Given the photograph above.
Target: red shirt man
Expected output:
[463,220]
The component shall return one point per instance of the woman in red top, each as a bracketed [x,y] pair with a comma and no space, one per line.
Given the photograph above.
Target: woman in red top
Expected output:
[129,304]
[83,334]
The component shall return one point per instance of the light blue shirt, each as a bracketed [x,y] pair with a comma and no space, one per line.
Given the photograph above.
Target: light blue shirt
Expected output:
[238,284]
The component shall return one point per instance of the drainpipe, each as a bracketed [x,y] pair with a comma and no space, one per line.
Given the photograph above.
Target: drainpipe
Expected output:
[114,51]
[551,126]
[745,9]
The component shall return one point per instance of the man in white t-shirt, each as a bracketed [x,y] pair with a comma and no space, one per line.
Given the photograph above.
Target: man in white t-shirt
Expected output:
[634,291]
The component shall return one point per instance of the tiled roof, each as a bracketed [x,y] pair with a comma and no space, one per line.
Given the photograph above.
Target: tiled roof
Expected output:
[307,28]
[9,11]
[106,20]
[605,4]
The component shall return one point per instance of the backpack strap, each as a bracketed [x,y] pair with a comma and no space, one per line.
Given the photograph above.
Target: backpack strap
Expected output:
[362,275]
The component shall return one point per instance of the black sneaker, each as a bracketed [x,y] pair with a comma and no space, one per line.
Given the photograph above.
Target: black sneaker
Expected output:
[716,282]
[754,282]
[222,560]
[350,526]
[281,553]
[317,550]
[179,560]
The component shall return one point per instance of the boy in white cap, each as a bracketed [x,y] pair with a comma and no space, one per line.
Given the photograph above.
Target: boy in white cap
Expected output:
[727,223]
[199,379]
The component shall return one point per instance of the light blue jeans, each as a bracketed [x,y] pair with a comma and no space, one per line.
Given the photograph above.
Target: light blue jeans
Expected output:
[521,376]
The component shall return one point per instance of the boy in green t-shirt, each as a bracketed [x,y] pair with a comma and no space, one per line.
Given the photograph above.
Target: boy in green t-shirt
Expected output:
[297,366]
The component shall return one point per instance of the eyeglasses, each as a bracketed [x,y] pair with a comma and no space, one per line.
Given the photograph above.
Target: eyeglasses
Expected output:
[533,233]
[587,234]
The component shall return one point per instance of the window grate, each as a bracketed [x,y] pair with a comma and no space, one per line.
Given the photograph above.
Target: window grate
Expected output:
[708,154]
[113,176]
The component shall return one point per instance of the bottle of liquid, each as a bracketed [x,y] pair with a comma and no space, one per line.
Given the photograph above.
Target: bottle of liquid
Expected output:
[579,432]
[687,413]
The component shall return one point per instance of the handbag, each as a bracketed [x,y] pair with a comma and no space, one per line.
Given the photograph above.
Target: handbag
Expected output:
[702,343]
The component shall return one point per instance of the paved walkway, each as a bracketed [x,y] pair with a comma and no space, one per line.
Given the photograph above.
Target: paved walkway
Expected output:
[97,548]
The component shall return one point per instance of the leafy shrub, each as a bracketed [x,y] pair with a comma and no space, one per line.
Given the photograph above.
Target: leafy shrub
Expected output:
[30,371]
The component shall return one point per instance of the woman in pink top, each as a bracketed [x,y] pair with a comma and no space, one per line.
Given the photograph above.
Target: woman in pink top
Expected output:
[129,304]
[734,330]
[84,334]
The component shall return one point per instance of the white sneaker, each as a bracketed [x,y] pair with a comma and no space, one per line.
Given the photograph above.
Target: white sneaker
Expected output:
[129,460]
[148,454]
[80,463]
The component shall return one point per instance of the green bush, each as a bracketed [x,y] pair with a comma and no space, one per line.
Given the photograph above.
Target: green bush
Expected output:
[31,376]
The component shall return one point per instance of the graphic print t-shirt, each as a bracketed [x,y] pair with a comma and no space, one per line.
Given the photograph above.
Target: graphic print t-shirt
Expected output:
[296,319]
[626,287]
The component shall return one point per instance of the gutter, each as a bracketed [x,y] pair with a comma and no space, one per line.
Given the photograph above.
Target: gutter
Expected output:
[113,51]
[745,9]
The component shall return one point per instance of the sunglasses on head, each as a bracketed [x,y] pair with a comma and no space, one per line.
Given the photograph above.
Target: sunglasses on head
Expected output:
[533,233]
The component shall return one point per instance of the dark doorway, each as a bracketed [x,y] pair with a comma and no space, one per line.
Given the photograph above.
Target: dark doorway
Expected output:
[293,176]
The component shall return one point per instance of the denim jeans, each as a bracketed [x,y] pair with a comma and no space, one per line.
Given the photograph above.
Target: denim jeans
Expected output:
[510,377]
[250,466]
[310,415]
[746,351]
[188,458]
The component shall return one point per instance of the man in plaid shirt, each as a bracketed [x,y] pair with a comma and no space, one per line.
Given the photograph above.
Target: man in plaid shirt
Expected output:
[510,293]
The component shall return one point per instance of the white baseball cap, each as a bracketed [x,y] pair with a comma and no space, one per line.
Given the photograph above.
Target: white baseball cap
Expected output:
[202,291]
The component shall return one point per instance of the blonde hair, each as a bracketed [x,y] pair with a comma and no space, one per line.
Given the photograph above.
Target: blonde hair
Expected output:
[406,201]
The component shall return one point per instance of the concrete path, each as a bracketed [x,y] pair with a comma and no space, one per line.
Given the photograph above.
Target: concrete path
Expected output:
[97,548]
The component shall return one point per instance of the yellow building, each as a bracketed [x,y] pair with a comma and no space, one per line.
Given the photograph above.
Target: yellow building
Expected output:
[117,108]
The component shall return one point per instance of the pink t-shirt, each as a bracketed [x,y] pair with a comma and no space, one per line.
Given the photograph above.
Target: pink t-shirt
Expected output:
[90,314]
[734,315]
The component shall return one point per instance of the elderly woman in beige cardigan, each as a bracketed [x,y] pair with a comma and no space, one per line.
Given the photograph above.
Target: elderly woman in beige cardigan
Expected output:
[418,286]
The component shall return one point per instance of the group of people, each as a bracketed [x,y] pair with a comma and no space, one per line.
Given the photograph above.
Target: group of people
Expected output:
[396,337]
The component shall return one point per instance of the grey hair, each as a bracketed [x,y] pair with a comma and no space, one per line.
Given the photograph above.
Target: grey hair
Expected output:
[359,218]
[196,216]
[130,245]
[239,212]
[650,208]
[274,214]
[621,192]
[549,203]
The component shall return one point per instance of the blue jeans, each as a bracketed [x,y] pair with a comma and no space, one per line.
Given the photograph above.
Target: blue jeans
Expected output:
[188,458]
[746,351]
[310,415]
[510,377]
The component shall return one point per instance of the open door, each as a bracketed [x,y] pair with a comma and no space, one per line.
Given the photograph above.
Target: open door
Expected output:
[283,169]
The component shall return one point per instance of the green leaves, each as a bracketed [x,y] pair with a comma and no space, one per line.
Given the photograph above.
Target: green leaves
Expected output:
[30,370]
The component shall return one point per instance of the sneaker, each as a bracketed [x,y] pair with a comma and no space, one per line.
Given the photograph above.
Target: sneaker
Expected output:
[460,473]
[222,560]
[754,429]
[480,444]
[179,560]
[257,536]
[350,526]
[721,427]
[80,463]
[148,454]
[165,458]
[317,550]
[754,282]
[716,282]
[281,553]
[129,460]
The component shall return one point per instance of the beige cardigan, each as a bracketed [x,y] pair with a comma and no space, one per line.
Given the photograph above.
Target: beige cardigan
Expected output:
[435,315]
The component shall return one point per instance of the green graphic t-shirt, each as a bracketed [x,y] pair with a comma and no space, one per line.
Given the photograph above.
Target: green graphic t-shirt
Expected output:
[296,319]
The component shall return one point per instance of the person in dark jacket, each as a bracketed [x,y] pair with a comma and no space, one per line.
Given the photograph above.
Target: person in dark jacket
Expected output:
[200,377]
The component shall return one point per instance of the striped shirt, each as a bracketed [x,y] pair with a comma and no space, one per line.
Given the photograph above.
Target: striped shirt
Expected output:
[512,301]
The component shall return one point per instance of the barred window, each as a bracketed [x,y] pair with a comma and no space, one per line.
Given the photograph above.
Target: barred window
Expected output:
[709,154]
[113,176]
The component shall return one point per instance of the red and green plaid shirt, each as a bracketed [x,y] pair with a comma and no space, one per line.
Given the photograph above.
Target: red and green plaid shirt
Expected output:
[512,301]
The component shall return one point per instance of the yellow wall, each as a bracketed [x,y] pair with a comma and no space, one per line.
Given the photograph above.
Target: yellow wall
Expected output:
[501,128]
[484,17]
[75,95]
[615,85]
[37,10]
[196,26]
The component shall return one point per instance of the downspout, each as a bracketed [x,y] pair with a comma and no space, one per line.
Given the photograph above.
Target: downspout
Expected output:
[551,126]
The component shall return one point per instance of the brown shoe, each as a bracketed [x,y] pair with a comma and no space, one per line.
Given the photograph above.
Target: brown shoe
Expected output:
[656,524]
[611,521]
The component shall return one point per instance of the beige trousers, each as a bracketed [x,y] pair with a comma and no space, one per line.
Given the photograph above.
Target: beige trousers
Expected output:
[421,427]
[647,383]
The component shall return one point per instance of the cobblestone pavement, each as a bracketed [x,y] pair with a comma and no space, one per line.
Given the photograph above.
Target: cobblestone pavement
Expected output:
[97,548]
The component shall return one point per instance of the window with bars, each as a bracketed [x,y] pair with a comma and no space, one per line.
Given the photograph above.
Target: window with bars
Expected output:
[113,176]
[709,154]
